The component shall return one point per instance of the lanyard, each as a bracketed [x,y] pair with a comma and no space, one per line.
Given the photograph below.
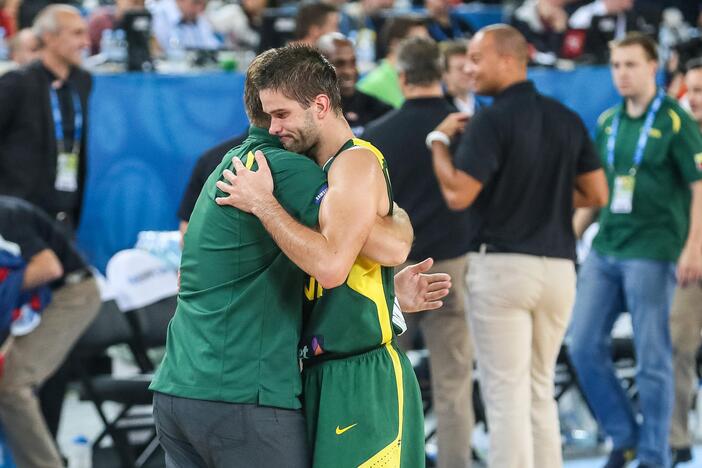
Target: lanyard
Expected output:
[643,134]
[58,121]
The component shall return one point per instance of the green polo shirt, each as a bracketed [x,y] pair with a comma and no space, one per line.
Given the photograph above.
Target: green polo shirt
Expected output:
[238,320]
[383,83]
[658,224]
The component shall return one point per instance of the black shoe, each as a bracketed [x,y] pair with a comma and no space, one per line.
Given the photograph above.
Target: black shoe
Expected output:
[619,458]
[681,455]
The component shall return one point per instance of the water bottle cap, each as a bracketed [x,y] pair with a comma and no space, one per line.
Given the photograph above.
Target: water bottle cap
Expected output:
[80,440]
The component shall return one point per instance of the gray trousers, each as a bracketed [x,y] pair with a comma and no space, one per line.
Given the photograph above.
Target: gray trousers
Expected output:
[685,333]
[32,359]
[448,340]
[199,433]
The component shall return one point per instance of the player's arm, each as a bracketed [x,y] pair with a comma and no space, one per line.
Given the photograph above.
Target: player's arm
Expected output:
[345,218]
[417,290]
[390,239]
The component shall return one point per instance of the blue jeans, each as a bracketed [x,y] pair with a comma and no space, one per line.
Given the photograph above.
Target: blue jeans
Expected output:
[608,286]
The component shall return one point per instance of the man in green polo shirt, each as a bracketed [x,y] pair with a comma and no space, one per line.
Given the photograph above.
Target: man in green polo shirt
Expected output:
[652,153]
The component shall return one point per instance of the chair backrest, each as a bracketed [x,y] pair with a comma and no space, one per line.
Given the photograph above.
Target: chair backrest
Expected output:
[154,320]
[109,328]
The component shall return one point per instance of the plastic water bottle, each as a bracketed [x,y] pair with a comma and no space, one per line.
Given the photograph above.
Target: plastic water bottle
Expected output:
[120,46]
[4,51]
[81,453]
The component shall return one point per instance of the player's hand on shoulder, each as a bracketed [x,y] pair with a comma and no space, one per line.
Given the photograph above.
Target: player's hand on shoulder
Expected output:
[246,189]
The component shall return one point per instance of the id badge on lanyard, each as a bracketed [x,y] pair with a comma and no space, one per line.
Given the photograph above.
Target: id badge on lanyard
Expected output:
[624,185]
[623,194]
[66,160]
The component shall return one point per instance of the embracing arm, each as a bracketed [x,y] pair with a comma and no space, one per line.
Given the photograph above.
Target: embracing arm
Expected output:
[390,239]
[345,219]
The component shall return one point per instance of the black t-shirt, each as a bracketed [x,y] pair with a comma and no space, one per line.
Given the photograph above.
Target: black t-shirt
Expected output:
[202,170]
[526,149]
[439,232]
[360,109]
[30,228]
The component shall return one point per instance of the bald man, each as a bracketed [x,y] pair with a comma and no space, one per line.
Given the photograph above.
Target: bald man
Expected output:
[522,165]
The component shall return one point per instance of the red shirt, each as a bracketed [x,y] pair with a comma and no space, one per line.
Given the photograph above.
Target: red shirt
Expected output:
[7,23]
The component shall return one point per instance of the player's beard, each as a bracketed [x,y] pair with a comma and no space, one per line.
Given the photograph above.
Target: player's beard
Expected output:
[307,137]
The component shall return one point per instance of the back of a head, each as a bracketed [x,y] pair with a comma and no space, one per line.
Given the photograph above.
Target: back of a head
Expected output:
[398,28]
[48,20]
[254,110]
[636,38]
[311,14]
[508,41]
[418,58]
[301,73]
[328,43]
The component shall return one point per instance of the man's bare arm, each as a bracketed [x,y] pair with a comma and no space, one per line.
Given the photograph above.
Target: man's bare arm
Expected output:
[345,218]
[390,239]
[458,188]
[591,190]
[44,267]
[690,262]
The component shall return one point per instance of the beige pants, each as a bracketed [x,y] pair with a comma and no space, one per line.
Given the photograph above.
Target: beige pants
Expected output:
[447,338]
[685,333]
[32,359]
[519,310]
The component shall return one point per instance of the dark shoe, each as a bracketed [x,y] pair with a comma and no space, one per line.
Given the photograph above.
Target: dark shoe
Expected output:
[619,458]
[681,455]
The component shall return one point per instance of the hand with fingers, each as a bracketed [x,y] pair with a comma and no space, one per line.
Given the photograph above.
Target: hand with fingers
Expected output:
[453,124]
[417,291]
[247,189]
[689,268]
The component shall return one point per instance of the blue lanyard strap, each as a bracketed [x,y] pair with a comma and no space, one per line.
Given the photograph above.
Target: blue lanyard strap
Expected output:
[643,134]
[58,121]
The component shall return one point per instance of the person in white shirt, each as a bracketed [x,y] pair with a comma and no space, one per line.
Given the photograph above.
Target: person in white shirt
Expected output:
[182,24]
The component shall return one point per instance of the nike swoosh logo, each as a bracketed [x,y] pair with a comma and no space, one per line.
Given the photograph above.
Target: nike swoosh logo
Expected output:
[340,431]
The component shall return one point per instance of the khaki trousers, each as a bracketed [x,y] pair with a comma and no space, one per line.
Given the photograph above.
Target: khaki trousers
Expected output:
[447,338]
[686,335]
[32,359]
[520,306]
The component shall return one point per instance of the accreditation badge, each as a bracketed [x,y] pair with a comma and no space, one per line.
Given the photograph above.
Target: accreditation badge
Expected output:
[66,172]
[623,194]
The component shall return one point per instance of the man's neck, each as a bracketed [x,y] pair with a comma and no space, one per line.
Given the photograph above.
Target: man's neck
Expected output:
[511,81]
[337,133]
[415,92]
[637,105]
[56,66]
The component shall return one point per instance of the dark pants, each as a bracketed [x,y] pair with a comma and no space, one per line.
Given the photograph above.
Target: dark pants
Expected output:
[199,433]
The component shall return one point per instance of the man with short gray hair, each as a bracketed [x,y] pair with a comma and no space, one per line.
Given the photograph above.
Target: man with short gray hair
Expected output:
[43,126]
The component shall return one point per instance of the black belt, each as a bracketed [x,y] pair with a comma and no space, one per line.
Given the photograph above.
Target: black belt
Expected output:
[490,248]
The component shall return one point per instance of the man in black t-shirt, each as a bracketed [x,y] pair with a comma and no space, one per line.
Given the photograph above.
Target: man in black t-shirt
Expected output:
[359,108]
[51,259]
[523,163]
[439,233]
